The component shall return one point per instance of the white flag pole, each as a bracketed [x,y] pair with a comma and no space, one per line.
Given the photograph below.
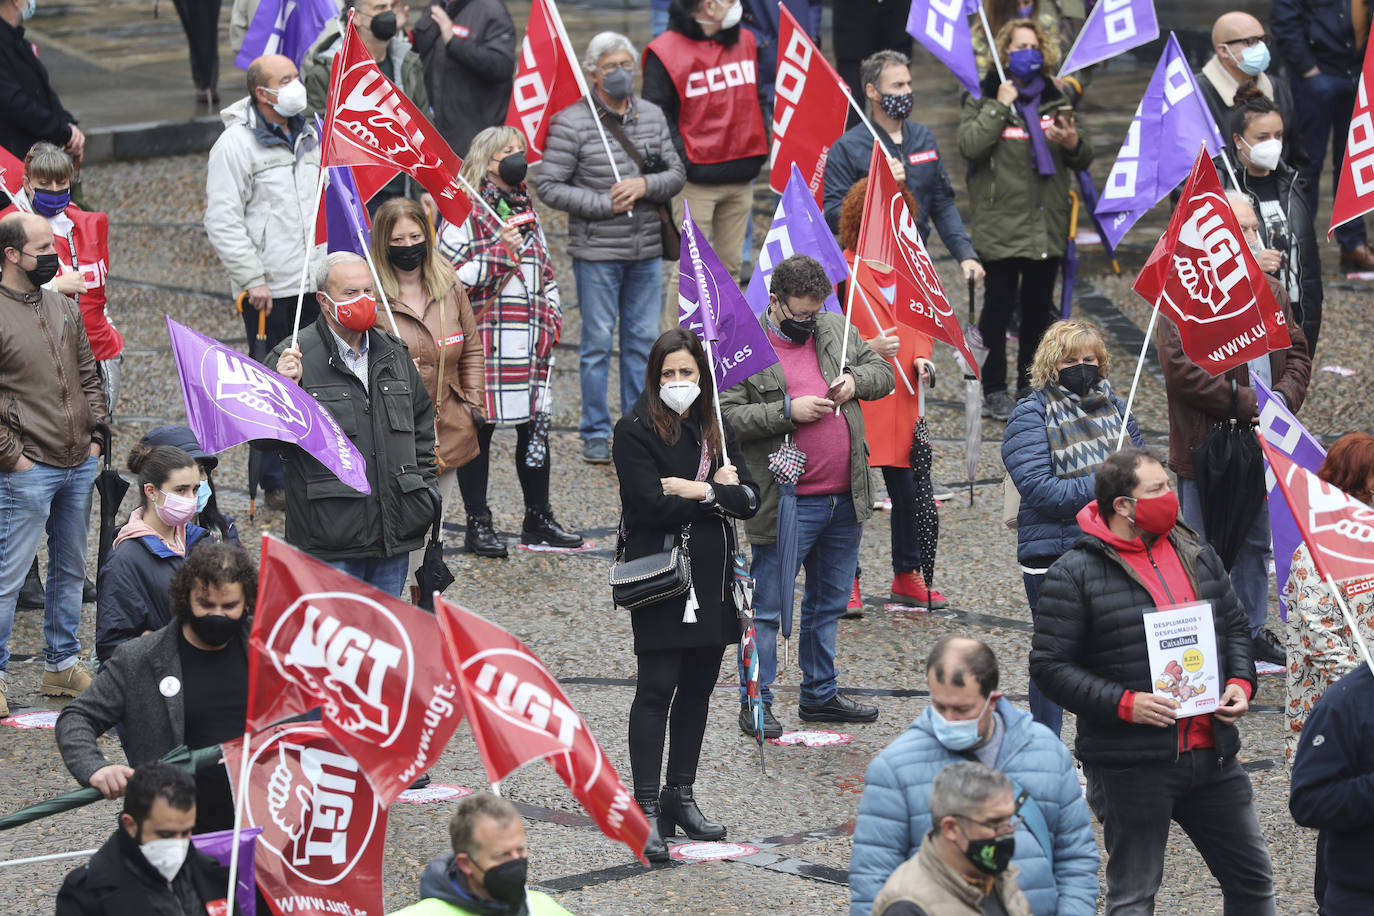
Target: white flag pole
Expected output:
[472,193]
[1350,622]
[844,341]
[309,250]
[896,363]
[715,398]
[858,110]
[240,802]
[377,282]
[1135,382]
[992,45]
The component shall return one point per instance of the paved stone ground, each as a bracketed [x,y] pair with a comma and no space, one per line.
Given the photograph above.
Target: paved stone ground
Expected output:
[800,814]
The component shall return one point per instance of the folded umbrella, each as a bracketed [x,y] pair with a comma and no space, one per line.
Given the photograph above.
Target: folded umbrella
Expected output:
[749,650]
[927,519]
[973,395]
[1228,466]
[433,575]
[787,464]
[111,487]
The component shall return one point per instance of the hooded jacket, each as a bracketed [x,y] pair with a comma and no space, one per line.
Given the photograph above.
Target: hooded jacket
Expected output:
[259,194]
[894,814]
[444,891]
[132,594]
[118,880]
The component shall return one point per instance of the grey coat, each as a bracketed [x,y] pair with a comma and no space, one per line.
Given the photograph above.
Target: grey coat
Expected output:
[576,176]
[127,692]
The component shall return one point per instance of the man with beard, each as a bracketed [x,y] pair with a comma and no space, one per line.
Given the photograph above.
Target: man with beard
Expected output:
[186,683]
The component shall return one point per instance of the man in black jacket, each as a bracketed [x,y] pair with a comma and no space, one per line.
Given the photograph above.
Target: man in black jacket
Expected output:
[468,49]
[29,108]
[148,866]
[1145,766]
[1323,42]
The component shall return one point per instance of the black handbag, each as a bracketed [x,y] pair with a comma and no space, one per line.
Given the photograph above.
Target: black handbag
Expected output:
[658,577]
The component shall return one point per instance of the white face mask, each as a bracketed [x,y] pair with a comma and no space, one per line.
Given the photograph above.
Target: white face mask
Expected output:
[679,395]
[290,99]
[732,17]
[1265,154]
[166,856]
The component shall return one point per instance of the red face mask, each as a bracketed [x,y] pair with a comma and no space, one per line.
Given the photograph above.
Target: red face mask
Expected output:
[357,314]
[1156,514]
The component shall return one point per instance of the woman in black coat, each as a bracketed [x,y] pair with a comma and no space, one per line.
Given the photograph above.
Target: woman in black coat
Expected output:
[674,481]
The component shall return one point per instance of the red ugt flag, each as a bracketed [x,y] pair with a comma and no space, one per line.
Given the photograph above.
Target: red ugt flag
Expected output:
[810,110]
[1355,190]
[547,79]
[889,237]
[518,713]
[322,638]
[1338,529]
[369,122]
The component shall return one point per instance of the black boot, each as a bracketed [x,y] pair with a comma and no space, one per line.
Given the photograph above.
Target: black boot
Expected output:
[31,592]
[481,537]
[88,591]
[540,528]
[680,809]
[655,850]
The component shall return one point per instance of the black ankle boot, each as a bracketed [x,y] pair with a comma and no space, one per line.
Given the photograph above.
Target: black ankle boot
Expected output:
[655,850]
[31,592]
[680,809]
[481,537]
[540,528]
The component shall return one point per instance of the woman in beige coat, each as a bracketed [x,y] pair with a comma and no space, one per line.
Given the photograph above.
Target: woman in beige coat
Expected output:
[435,320]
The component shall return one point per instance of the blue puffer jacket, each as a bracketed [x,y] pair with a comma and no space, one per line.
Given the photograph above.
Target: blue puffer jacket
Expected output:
[894,814]
[1045,525]
[131,596]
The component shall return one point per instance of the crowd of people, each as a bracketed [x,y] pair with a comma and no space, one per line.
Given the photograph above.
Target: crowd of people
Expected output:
[977,807]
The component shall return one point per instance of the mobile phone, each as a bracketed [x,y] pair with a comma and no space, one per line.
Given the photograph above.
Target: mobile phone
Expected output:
[834,390]
[1064,115]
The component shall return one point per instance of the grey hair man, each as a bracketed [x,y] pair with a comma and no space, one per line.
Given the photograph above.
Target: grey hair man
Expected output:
[365,377]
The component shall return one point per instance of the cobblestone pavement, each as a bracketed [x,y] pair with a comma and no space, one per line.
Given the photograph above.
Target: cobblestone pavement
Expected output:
[800,814]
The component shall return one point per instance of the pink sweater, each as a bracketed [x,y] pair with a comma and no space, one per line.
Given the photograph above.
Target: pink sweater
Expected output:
[825,442]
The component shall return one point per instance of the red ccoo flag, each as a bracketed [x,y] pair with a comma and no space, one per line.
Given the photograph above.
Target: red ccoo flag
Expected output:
[890,253]
[810,110]
[369,122]
[1355,189]
[518,713]
[322,638]
[547,80]
[1205,280]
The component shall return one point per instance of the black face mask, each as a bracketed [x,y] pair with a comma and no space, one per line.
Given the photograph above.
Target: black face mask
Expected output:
[384,26]
[512,169]
[215,630]
[1080,378]
[991,856]
[45,270]
[506,882]
[407,257]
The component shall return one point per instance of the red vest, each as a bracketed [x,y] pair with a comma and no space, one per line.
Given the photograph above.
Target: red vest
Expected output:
[718,94]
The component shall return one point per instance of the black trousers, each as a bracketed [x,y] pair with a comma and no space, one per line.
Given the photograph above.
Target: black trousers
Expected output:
[1009,281]
[277,328]
[472,477]
[200,20]
[674,689]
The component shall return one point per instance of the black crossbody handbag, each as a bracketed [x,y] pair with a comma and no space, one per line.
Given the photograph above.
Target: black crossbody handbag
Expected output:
[657,577]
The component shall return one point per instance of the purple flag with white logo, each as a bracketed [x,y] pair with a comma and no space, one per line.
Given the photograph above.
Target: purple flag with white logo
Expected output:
[942,26]
[1170,123]
[218,846]
[285,27]
[711,306]
[1284,433]
[230,399]
[1113,27]
[798,228]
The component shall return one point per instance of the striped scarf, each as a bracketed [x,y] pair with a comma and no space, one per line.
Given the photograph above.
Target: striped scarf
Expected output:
[1081,432]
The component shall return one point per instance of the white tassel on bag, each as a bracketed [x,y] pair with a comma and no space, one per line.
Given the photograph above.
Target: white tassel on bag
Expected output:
[689,611]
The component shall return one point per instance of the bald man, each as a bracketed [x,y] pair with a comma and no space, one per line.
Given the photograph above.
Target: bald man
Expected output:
[1323,42]
[259,194]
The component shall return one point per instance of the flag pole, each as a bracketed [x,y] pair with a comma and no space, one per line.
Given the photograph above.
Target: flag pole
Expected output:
[1135,382]
[715,397]
[472,193]
[992,45]
[858,110]
[1350,622]
[240,802]
[844,341]
[377,283]
[896,363]
[309,249]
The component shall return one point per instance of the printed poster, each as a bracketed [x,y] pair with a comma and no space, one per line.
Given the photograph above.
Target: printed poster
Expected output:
[1182,642]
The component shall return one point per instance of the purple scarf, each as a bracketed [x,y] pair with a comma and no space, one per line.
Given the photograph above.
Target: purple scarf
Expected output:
[1028,103]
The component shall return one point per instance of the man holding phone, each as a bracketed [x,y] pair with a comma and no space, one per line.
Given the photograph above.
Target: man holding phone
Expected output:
[796,399]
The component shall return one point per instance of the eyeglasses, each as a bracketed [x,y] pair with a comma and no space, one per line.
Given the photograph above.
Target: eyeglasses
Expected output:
[1249,41]
[1001,828]
[608,69]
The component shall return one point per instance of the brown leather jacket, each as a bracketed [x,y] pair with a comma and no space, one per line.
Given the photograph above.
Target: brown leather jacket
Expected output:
[1198,401]
[50,396]
[458,409]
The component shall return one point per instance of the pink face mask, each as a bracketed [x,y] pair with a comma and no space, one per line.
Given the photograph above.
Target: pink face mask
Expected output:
[176,510]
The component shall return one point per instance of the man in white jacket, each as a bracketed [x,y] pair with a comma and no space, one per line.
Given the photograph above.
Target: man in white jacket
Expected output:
[259,196]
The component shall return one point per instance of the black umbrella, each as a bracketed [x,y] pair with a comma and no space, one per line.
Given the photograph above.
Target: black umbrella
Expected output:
[257,351]
[927,520]
[1229,468]
[433,575]
[111,487]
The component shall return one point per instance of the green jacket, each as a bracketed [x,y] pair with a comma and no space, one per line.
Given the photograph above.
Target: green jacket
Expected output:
[391,422]
[755,408]
[320,58]
[1017,212]
[536,904]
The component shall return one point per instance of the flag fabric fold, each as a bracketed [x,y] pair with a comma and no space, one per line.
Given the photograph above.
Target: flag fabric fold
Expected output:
[810,110]
[372,662]
[1355,189]
[798,228]
[343,216]
[286,27]
[1337,527]
[518,713]
[219,845]
[548,78]
[942,27]
[1170,123]
[230,399]
[1113,27]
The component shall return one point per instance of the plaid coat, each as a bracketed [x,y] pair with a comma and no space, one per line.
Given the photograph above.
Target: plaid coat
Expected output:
[517,309]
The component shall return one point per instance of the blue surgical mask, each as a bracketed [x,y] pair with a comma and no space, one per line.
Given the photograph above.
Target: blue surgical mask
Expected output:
[202,496]
[29,9]
[960,735]
[1254,60]
[1024,63]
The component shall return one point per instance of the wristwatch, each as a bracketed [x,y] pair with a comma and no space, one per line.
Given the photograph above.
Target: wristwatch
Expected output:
[710,498]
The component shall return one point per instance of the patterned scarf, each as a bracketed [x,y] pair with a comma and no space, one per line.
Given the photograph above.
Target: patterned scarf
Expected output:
[1081,432]
[507,203]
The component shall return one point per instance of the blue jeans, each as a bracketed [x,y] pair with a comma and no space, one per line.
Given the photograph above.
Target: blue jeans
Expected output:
[57,500]
[277,328]
[1213,804]
[386,574]
[828,534]
[1323,104]
[1250,573]
[633,291]
[1043,710]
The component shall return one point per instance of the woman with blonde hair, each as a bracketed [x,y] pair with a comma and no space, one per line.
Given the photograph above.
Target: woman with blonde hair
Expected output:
[434,318]
[1055,439]
[503,260]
